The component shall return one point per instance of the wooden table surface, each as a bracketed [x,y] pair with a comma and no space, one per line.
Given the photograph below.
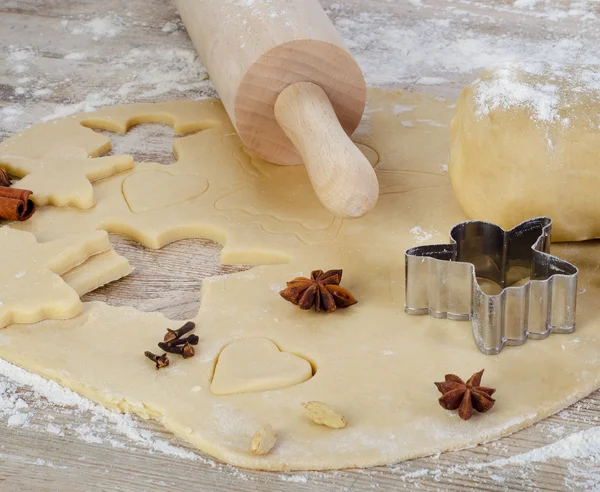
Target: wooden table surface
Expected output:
[62,56]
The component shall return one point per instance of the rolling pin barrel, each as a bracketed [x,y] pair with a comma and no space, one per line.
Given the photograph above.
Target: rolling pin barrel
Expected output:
[254,50]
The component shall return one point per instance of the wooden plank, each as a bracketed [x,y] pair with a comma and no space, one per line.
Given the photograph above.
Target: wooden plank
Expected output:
[35,38]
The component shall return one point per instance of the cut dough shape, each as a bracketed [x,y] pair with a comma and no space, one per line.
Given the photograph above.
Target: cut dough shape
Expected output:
[375,363]
[525,143]
[152,190]
[31,288]
[276,208]
[97,271]
[257,364]
[63,176]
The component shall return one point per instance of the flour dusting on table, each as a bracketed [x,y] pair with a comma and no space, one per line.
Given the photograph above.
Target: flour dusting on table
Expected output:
[409,49]
[17,384]
[415,50]
[106,26]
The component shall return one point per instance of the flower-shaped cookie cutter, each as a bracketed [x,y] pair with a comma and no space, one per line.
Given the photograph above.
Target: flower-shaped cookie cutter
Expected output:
[441,280]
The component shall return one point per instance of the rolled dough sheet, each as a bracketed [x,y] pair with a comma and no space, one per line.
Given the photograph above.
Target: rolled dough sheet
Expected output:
[374,364]
[63,176]
[97,271]
[31,288]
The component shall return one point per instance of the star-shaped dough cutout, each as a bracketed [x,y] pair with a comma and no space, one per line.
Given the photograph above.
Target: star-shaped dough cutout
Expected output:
[64,176]
[32,289]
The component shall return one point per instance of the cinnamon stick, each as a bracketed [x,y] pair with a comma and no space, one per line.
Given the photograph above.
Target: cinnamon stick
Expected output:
[15,204]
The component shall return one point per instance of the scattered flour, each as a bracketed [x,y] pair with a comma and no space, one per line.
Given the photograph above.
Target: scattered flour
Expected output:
[294,478]
[431,81]
[410,49]
[276,287]
[399,109]
[539,87]
[75,56]
[16,383]
[49,464]
[103,427]
[9,114]
[170,70]
[42,92]
[166,71]
[54,429]
[584,444]
[19,58]
[172,26]
[17,420]
[421,235]
[107,26]
[579,449]
[92,102]
[19,54]
[525,4]
[267,9]
[431,123]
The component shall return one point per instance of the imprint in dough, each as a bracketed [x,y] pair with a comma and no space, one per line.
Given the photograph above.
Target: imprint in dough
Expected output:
[152,190]
[274,198]
[31,288]
[256,364]
[63,176]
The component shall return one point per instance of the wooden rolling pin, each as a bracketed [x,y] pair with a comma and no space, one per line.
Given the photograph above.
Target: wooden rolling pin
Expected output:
[291,88]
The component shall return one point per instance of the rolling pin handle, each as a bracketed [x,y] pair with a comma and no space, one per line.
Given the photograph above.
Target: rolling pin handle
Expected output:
[341,175]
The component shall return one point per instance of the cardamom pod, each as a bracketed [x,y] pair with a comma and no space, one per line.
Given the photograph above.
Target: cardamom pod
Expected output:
[263,440]
[322,414]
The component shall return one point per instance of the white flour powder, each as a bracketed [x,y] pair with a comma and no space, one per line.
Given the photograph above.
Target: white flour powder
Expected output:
[520,85]
[106,26]
[16,384]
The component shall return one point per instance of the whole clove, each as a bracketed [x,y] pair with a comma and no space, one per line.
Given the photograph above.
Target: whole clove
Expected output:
[176,334]
[186,350]
[191,339]
[160,360]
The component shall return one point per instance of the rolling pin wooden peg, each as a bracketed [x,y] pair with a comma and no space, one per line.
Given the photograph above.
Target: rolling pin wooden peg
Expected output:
[291,88]
[341,175]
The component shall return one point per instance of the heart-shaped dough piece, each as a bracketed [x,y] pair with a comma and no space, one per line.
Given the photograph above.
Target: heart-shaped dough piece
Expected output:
[145,191]
[257,364]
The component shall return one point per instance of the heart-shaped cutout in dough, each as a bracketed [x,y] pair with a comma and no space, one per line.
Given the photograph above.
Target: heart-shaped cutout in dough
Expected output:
[257,364]
[145,191]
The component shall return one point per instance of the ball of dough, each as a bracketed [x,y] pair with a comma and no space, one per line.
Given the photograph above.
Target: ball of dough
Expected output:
[525,142]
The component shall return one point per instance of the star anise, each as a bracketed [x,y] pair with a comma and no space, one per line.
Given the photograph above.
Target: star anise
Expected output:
[4,177]
[321,290]
[467,397]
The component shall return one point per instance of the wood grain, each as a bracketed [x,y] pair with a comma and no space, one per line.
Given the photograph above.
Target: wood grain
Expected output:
[169,280]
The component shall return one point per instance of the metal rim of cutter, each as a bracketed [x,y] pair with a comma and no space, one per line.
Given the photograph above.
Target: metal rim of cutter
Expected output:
[441,280]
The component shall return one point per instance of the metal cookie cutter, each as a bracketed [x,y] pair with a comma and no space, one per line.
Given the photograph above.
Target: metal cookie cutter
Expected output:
[441,280]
